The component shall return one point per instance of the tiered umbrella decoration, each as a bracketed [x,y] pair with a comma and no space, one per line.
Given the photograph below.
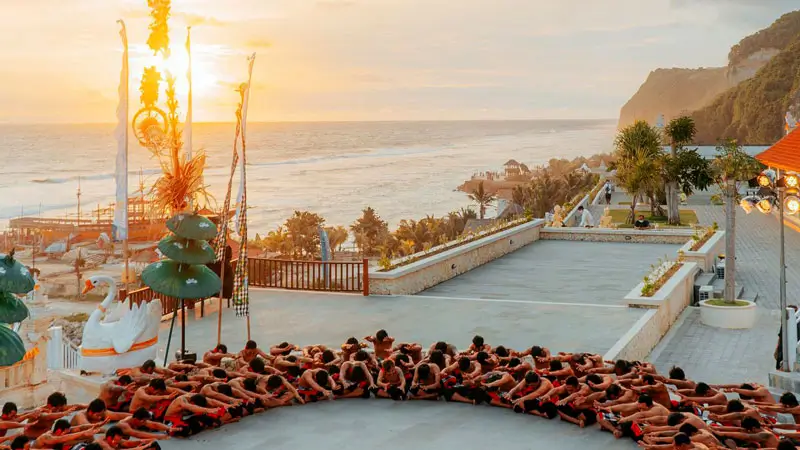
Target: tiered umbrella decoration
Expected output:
[14,279]
[184,274]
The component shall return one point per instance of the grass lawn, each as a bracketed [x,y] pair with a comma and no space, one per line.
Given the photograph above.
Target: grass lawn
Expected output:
[688,216]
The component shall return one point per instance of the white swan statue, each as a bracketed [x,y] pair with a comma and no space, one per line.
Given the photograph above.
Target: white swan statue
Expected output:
[120,338]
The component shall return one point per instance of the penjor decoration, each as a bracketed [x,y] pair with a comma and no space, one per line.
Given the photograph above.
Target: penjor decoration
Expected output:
[158,128]
[14,279]
[184,275]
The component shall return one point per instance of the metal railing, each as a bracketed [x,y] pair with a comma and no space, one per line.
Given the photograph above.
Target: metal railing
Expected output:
[61,352]
[309,275]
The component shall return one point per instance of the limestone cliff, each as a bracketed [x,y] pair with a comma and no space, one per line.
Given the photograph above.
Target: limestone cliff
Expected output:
[674,91]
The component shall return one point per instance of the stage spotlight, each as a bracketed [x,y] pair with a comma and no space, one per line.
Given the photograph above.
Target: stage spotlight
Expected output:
[765,205]
[791,181]
[791,204]
[748,203]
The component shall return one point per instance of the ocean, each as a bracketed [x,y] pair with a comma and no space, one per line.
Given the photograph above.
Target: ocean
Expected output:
[401,169]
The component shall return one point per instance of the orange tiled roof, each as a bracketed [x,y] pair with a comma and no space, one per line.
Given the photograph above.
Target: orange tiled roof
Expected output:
[785,154]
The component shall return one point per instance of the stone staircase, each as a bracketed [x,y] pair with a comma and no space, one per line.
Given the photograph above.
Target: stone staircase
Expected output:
[710,279]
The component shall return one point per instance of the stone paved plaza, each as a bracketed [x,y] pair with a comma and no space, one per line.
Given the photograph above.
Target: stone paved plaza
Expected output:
[564,295]
[387,425]
[720,356]
[595,273]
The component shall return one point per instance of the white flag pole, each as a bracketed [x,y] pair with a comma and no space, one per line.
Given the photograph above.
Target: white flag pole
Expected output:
[120,228]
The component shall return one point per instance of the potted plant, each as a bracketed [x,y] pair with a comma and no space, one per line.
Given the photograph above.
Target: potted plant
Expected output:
[732,167]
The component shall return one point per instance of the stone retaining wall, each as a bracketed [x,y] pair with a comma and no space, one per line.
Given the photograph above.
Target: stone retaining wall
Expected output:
[663,236]
[706,256]
[435,269]
[665,307]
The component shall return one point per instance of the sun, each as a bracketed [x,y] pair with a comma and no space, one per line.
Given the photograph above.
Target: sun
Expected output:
[204,79]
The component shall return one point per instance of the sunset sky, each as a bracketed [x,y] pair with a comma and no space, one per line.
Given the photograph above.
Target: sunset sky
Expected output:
[370,59]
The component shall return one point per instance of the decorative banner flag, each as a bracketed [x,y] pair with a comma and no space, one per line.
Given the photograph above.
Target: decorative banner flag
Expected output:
[187,129]
[119,229]
[325,254]
[241,293]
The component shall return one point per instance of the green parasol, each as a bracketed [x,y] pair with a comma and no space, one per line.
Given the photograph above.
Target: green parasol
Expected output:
[12,309]
[178,280]
[12,350]
[192,226]
[14,277]
[187,251]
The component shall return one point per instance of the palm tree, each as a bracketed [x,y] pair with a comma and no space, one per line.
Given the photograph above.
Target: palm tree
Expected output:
[732,166]
[482,198]
[640,144]
[336,237]
[679,132]
[369,231]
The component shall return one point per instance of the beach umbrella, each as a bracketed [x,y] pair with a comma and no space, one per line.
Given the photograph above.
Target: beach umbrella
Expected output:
[192,226]
[12,309]
[12,350]
[174,279]
[187,251]
[14,277]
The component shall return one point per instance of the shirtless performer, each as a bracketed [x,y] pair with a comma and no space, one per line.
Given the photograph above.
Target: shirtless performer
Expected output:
[676,378]
[381,343]
[557,372]
[63,436]
[749,391]
[787,404]
[10,419]
[540,355]
[526,396]
[698,436]
[679,442]
[460,380]
[356,380]
[114,439]
[117,394]
[215,356]
[486,361]
[95,413]
[700,395]
[140,426]
[496,386]
[629,426]
[391,381]
[222,395]
[413,350]
[350,347]
[190,414]
[251,352]
[478,345]
[147,371]
[516,367]
[448,350]
[55,409]
[657,390]
[316,384]
[569,409]
[752,433]
[426,384]
[156,397]
[280,392]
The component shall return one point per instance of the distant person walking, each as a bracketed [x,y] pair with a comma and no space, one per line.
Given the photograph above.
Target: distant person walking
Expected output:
[586,221]
[608,189]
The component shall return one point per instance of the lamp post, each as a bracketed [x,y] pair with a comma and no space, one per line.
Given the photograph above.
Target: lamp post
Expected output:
[770,182]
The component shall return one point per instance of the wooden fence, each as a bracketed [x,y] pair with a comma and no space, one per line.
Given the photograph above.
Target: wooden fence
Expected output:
[282,274]
[309,275]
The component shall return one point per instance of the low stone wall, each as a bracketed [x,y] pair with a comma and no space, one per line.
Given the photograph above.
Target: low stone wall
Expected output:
[665,307]
[432,270]
[706,256]
[663,236]
[26,383]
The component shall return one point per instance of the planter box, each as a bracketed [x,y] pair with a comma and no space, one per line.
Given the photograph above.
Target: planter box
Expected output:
[666,305]
[706,256]
[729,317]
[628,235]
[430,271]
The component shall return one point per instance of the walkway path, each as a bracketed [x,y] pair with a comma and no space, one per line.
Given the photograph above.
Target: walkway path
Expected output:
[720,356]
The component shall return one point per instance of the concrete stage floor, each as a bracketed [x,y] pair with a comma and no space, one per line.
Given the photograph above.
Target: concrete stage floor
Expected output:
[388,425]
